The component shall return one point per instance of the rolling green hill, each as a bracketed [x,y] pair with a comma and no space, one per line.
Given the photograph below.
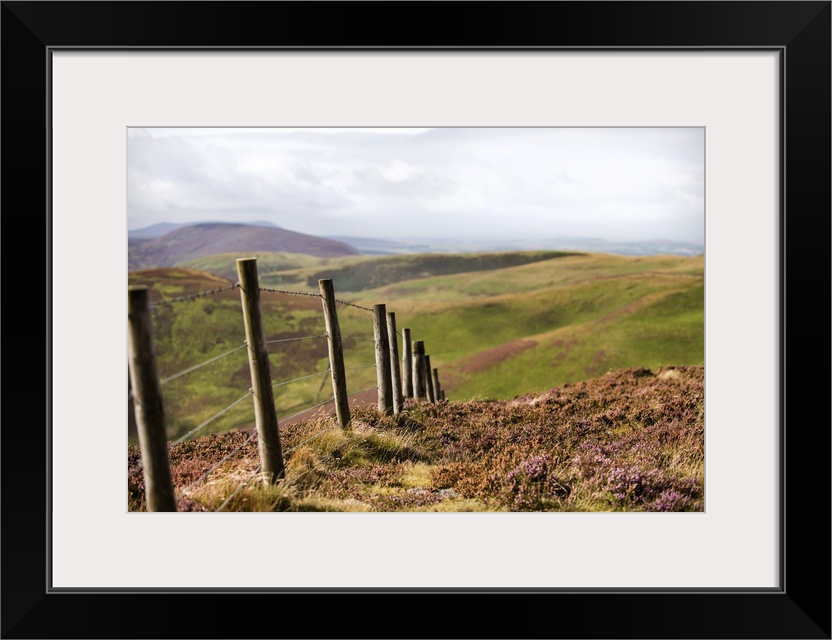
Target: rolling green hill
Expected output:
[495,325]
[361,273]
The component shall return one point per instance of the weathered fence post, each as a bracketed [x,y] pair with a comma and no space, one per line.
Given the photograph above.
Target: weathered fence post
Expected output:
[407,363]
[437,390]
[336,353]
[265,416]
[132,428]
[147,400]
[419,381]
[392,338]
[431,391]
[385,381]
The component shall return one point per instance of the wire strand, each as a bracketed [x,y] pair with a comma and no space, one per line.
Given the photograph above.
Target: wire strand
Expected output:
[323,335]
[212,418]
[194,296]
[320,373]
[314,406]
[291,293]
[350,304]
[202,364]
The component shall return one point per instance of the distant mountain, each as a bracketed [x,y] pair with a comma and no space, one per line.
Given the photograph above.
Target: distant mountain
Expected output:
[206,239]
[161,228]
[154,230]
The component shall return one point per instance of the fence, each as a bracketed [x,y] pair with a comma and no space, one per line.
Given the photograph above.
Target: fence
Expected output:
[415,379]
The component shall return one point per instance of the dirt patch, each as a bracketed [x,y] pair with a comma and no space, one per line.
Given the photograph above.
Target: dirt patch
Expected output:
[564,347]
[596,363]
[490,357]
[631,307]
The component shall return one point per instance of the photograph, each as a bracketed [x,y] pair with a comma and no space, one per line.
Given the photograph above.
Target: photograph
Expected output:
[420,299]
[542,343]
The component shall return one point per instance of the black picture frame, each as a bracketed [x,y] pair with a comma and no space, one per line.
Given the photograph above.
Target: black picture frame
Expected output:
[800,608]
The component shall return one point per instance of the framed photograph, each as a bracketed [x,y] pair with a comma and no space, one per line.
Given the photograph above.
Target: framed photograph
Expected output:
[754,76]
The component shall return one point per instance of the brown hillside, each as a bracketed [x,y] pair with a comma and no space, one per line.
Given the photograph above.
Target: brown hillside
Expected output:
[630,440]
[180,282]
[199,240]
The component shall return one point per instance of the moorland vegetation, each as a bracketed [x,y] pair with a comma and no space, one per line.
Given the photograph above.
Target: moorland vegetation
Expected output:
[574,382]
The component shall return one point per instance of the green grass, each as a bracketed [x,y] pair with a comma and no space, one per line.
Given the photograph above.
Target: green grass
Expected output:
[512,323]
[225,264]
[382,271]
[577,330]
[535,276]
[666,330]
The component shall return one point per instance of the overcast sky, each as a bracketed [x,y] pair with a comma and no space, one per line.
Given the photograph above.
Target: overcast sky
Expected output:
[414,184]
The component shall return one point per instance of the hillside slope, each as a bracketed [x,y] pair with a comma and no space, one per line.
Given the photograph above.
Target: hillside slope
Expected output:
[630,440]
[496,333]
[491,333]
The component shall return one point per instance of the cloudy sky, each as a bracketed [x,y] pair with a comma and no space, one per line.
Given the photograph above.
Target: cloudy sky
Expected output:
[418,184]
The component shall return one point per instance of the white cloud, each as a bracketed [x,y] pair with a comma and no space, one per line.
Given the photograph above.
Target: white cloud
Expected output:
[500,183]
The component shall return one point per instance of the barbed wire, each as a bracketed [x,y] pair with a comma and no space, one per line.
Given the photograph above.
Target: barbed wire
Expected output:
[291,293]
[194,296]
[212,418]
[202,364]
[323,335]
[225,458]
[398,333]
[311,375]
[350,304]
[313,295]
[358,338]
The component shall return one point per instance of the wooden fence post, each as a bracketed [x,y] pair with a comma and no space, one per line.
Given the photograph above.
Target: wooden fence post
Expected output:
[392,338]
[419,381]
[437,390]
[336,353]
[132,427]
[407,363]
[147,400]
[431,391]
[265,416]
[385,382]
